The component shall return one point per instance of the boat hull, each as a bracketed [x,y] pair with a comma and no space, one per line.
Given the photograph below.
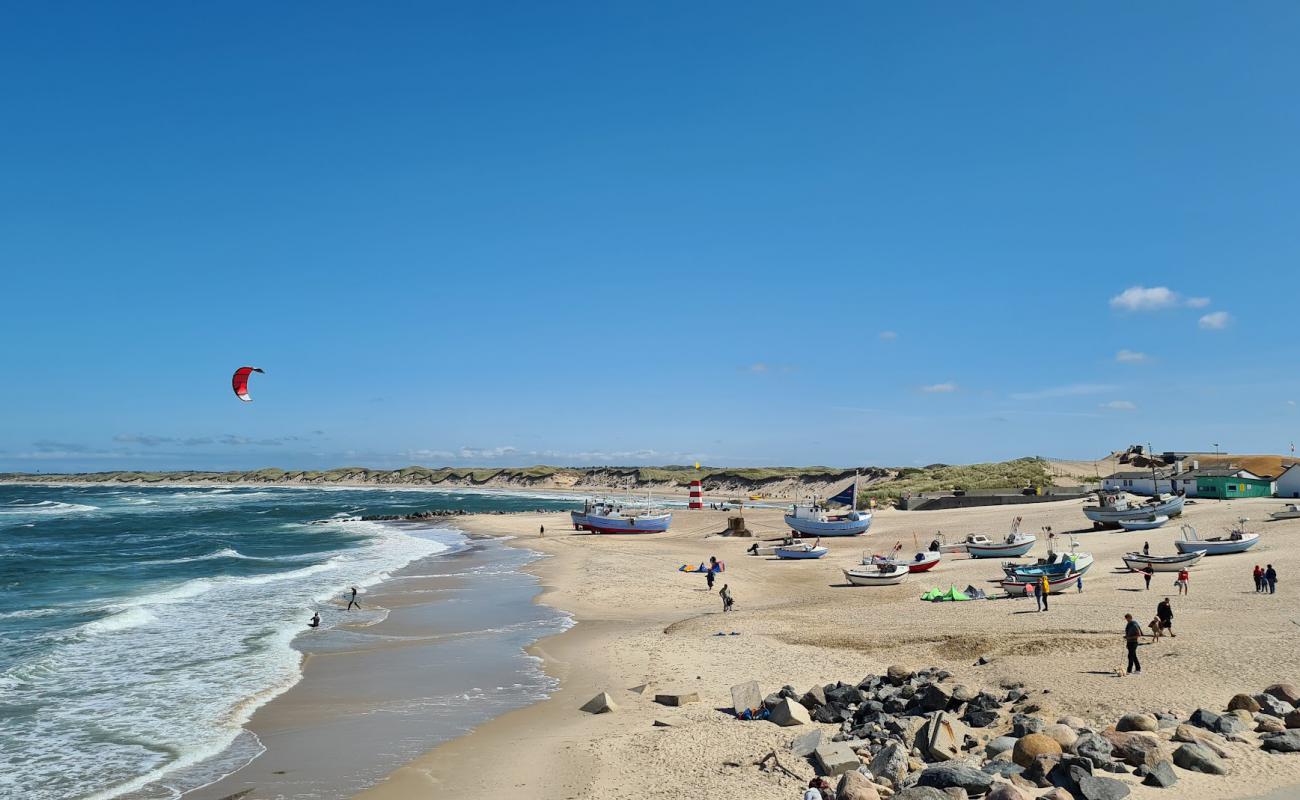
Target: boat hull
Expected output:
[1138,562]
[1079,563]
[1003,550]
[1022,588]
[859,577]
[795,555]
[838,527]
[924,565]
[1143,524]
[597,523]
[1103,516]
[1217,548]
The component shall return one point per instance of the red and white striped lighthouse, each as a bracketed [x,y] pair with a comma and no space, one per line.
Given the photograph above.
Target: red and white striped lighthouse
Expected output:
[697,495]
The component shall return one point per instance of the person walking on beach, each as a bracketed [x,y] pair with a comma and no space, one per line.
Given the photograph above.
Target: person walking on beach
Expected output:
[727,600]
[1038,595]
[1146,548]
[352,601]
[1259,578]
[1270,578]
[1181,583]
[708,576]
[1078,583]
[1165,613]
[541,530]
[1132,635]
[315,620]
[1147,572]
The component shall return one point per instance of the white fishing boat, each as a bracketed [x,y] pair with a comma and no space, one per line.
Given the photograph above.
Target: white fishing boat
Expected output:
[801,550]
[604,516]
[1147,523]
[1115,507]
[960,546]
[1237,540]
[879,575]
[921,562]
[1139,562]
[1015,544]
[1021,587]
[815,518]
[769,547]
[1289,511]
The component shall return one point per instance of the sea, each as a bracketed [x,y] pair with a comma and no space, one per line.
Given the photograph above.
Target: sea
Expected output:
[141,627]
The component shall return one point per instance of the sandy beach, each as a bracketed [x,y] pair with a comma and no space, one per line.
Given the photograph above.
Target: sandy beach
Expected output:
[641,622]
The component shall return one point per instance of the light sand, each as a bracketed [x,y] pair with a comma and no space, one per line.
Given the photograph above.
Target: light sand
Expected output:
[642,622]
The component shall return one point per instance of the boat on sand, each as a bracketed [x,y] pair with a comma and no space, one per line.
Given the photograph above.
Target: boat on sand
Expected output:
[1236,540]
[603,516]
[879,575]
[1115,507]
[1019,587]
[1139,562]
[1147,523]
[1289,511]
[801,550]
[815,518]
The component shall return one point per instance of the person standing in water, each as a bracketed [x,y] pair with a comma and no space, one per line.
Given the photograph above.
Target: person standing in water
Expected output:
[352,601]
[315,620]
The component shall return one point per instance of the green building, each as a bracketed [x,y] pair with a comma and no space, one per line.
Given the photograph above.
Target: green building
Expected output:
[1226,487]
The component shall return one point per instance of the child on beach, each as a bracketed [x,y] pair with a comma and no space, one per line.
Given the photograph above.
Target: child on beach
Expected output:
[1154,625]
[1181,583]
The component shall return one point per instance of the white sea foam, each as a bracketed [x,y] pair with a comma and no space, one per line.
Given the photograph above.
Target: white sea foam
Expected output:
[45,507]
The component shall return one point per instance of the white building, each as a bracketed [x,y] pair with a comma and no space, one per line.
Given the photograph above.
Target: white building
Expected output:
[1288,483]
[1139,482]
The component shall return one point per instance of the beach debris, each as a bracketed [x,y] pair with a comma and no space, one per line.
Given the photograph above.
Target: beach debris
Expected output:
[805,743]
[788,713]
[942,737]
[772,757]
[677,699]
[600,704]
[835,758]
[662,723]
[746,697]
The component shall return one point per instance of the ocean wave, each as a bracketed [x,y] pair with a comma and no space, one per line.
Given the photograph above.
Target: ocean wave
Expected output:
[45,507]
[121,621]
[225,552]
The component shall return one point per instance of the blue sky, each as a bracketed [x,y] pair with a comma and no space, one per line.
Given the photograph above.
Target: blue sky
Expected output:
[744,233]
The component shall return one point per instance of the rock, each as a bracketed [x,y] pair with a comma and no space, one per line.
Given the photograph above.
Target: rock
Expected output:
[1094,787]
[1003,769]
[956,793]
[805,743]
[816,696]
[922,793]
[844,695]
[788,713]
[1243,702]
[1292,720]
[1024,724]
[1137,722]
[1198,758]
[1288,742]
[1269,724]
[1036,773]
[1092,746]
[956,774]
[980,719]
[1160,776]
[830,714]
[1076,723]
[662,723]
[934,698]
[835,758]
[1032,746]
[746,696]
[1056,794]
[1136,748]
[963,693]
[1065,773]
[1000,744]
[1204,718]
[941,738]
[854,785]
[899,675]
[1063,734]
[1285,692]
[890,764]
[677,699]
[1005,791]
[600,704]
[1268,704]
[1187,733]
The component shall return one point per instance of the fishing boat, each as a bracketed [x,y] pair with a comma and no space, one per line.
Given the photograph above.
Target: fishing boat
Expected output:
[816,519]
[801,550]
[1147,523]
[1074,562]
[1139,562]
[944,546]
[921,562]
[1016,545]
[769,547]
[1017,587]
[1237,540]
[1115,507]
[1289,511]
[880,575]
[602,516]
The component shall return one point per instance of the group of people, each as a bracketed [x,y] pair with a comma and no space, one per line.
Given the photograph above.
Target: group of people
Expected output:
[1265,580]
[314,622]
[1162,623]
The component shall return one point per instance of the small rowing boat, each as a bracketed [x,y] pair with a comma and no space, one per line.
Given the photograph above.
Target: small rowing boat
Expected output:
[801,550]
[1139,562]
[1147,523]
[1290,511]
[1019,588]
[922,562]
[881,575]
[1237,540]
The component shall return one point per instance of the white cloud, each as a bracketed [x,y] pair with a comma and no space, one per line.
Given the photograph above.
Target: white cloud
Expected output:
[1198,302]
[1290,402]
[888,336]
[1120,405]
[1072,390]
[1215,321]
[487,452]
[1154,298]
[940,388]
[1130,357]
[759,367]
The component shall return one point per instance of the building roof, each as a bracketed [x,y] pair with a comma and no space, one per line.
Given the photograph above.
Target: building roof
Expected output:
[1218,472]
[1138,475]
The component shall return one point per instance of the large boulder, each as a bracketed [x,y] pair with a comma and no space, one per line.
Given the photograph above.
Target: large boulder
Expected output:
[1007,791]
[955,774]
[854,785]
[1243,702]
[898,675]
[600,704]
[1161,776]
[746,697]
[890,763]
[805,743]
[1032,746]
[1136,748]
[934,698]
[1292,720]
[1000,744]
[1063,734]
[1288,742]
[1268,704]
[1198,758]
[941,738]
[788,713]
[1025,724]
[1194,735]
[843,695]
[814,697]
[1137,722]
[1286,692]
[835,758]
[1092,746]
